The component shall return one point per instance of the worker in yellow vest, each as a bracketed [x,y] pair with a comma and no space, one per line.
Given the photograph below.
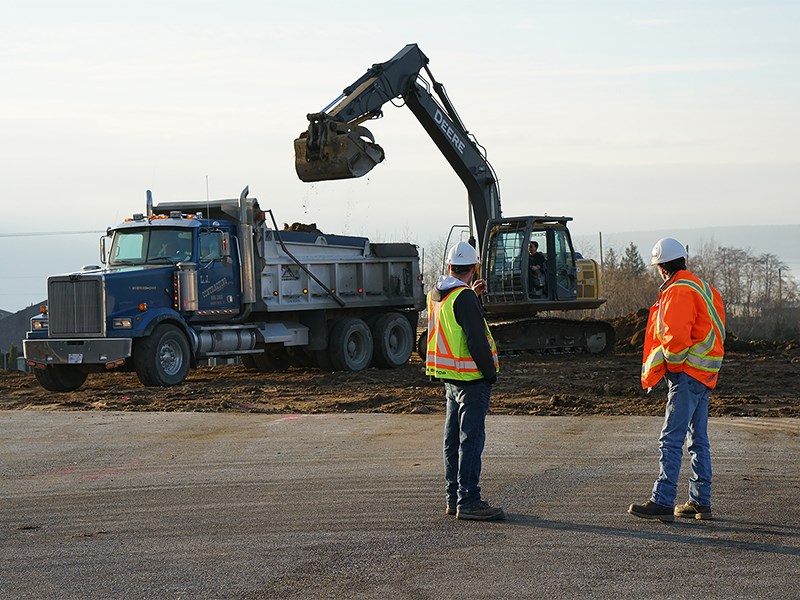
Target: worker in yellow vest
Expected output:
[461,353]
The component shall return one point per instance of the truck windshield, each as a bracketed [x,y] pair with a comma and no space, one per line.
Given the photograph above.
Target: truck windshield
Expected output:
[159,245]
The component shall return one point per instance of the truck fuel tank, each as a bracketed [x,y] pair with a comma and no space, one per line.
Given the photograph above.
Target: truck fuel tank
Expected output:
[187,287]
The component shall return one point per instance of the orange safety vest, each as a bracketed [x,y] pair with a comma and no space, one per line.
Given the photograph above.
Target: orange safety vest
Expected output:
[447,355]
[685,332]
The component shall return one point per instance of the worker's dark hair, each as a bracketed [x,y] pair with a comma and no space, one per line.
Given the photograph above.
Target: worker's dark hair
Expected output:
[673,266]
[458,269]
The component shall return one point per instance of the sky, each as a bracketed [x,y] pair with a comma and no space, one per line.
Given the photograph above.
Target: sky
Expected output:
[628,115]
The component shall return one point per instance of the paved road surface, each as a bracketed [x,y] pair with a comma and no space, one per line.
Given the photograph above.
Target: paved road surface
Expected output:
[191,505]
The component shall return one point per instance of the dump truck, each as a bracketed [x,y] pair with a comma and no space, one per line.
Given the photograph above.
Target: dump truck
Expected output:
[189,281]
[336,145]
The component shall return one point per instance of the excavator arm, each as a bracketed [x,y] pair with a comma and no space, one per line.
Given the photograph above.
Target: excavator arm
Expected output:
[337,146]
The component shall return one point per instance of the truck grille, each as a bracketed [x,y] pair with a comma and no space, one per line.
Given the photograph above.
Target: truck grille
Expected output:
[76,306]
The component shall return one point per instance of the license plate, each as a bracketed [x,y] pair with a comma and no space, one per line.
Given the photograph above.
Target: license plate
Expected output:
[75,359]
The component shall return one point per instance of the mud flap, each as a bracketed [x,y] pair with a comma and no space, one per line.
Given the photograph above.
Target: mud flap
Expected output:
[331,149]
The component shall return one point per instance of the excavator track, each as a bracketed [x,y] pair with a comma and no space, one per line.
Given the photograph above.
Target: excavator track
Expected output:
[546,336]
[553,335]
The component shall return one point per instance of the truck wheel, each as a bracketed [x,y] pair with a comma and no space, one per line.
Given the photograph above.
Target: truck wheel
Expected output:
[60,378]
[393,339]
[162,359]
[350,345]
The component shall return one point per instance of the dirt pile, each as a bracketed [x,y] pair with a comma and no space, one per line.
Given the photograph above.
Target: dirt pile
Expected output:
[630,331]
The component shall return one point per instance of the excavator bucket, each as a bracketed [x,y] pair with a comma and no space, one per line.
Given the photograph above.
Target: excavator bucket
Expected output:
[332,149]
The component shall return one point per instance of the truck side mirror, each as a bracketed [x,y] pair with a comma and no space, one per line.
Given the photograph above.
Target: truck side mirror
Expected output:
[225,244]
[103,256]
[214,245]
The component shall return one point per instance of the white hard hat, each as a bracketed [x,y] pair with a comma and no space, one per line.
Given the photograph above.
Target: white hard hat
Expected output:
[665,250]
[462,254]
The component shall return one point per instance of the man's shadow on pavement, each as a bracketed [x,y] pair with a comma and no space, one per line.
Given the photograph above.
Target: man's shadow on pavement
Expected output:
[677,531]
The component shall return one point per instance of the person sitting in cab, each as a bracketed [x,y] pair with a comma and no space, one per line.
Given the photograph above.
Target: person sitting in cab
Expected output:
[536,269]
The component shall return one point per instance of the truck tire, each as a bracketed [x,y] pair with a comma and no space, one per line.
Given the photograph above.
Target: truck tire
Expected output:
[393,340]
[350,345]
[163,358]
[60,378]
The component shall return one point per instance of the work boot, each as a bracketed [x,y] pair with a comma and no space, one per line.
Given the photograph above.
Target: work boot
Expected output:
[450,510]
[693,510]
[651,510]
[480,511]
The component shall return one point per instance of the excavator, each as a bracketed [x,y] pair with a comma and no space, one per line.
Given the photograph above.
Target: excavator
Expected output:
[520,284]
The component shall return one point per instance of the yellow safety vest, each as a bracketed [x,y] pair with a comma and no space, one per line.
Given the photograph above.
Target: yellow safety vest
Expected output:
[447,354]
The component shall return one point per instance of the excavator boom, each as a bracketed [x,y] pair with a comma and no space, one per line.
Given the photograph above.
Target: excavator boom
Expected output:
[337,146]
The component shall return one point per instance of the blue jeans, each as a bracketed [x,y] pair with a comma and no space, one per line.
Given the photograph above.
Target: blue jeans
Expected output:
[686,419]
[464,438]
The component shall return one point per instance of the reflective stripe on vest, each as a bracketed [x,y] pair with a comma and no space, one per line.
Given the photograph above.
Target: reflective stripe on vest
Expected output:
[698,355]
[447,355]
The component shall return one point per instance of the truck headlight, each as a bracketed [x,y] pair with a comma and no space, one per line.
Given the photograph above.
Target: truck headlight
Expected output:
[124,323]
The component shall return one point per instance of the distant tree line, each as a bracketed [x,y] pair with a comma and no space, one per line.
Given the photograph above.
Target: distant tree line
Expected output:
[762,298]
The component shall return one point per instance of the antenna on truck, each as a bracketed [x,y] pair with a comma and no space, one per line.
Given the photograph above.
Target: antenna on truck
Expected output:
[208,202]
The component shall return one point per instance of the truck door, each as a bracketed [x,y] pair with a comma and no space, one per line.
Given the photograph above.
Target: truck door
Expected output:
[217,273]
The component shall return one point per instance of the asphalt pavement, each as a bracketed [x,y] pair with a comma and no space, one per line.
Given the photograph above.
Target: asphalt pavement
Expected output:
[195,505]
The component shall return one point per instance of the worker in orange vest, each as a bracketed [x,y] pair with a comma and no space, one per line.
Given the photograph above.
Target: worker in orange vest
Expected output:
[462,354]
[683,345]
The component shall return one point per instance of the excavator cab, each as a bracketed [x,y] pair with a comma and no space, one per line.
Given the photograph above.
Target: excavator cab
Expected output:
[530,265]
[332,149]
